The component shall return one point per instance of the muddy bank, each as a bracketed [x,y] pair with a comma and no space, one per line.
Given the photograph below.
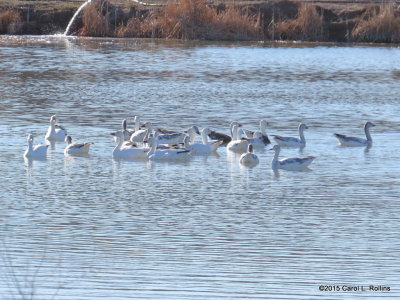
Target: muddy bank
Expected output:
[197,19]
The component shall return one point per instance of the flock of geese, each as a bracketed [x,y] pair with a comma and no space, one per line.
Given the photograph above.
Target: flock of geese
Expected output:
[158,144]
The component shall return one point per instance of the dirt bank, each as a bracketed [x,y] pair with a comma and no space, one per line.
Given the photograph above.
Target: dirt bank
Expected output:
[197,19]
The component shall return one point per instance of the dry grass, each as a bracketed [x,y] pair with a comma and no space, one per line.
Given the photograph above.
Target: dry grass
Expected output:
[95,19]
[380,24]
[193,20]
[10,22]
[308,26]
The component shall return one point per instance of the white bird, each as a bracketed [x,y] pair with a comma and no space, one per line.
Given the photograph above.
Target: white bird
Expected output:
[237,144]
[263,127]
[355,141]
[37,151]
[166,155]
[76,148]
[122,151]
[206,147]
[139,135]
[56,132]
[249,159]
[294,163]
[291,141]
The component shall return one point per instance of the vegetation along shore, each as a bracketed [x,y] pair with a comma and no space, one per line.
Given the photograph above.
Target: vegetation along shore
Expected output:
[320,21]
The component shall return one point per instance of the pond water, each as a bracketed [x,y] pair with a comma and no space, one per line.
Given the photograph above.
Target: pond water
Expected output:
[99,228]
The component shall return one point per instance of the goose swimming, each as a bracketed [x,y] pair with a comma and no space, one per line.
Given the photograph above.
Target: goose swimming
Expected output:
[237,144]
[294,163]
[351,141]
[139,135]
[37,151]
[55,131]
[76,148]
[205,148]
[166,155]
[249,159]
[291,141]
[123,151]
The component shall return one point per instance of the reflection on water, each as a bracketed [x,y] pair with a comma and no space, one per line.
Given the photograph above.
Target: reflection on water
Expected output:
[91,227]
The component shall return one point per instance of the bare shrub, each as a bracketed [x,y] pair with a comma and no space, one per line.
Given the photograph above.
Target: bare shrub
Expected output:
[380,24]
[308,26]
[193,20]
[10,22]
[95,19]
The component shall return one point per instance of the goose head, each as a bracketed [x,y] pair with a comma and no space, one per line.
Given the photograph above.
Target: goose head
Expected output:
[53,119]
[276,148]
[263,124]
[369,125]
[124,124]
[302,126]
[68,139]
[30,138]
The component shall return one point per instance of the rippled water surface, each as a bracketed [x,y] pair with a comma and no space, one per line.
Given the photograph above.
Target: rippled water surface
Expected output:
[98,228]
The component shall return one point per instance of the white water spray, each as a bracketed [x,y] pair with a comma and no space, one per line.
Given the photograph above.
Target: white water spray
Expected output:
[71,22]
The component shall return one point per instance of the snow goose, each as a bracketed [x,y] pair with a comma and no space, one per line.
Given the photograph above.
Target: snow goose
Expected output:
[166,155]
[351,141]
[55,131]
[37,151]
[294,163]
[249,159]
[237,144]
[76,148]
[123,151]
[291,141]
[205,148]
[139,135]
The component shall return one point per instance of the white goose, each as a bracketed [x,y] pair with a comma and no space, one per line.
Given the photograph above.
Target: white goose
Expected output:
[237,144]
[122,151]
[351,141]
[37,151]
[291,141]
[166,155]
[249,159]
[76,148]
[56,132]
[139,135]
[205,148]
[294,163]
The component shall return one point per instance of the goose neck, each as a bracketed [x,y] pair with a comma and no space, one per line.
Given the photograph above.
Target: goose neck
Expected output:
[204,137]
[368,134]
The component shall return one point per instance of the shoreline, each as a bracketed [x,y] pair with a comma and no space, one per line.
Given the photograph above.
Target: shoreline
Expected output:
[335,22]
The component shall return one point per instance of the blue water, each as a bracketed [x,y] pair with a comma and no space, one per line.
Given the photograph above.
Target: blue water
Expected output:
[96,227]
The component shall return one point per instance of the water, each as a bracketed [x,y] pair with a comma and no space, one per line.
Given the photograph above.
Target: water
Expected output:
[93,228]
[76,14]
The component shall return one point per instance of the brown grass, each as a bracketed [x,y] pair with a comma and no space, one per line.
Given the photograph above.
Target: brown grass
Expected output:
[95,19]
[308,26]
[380,24]
[10,22]
[193,20]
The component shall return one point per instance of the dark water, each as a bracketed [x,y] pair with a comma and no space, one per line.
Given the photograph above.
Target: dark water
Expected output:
[98,228]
